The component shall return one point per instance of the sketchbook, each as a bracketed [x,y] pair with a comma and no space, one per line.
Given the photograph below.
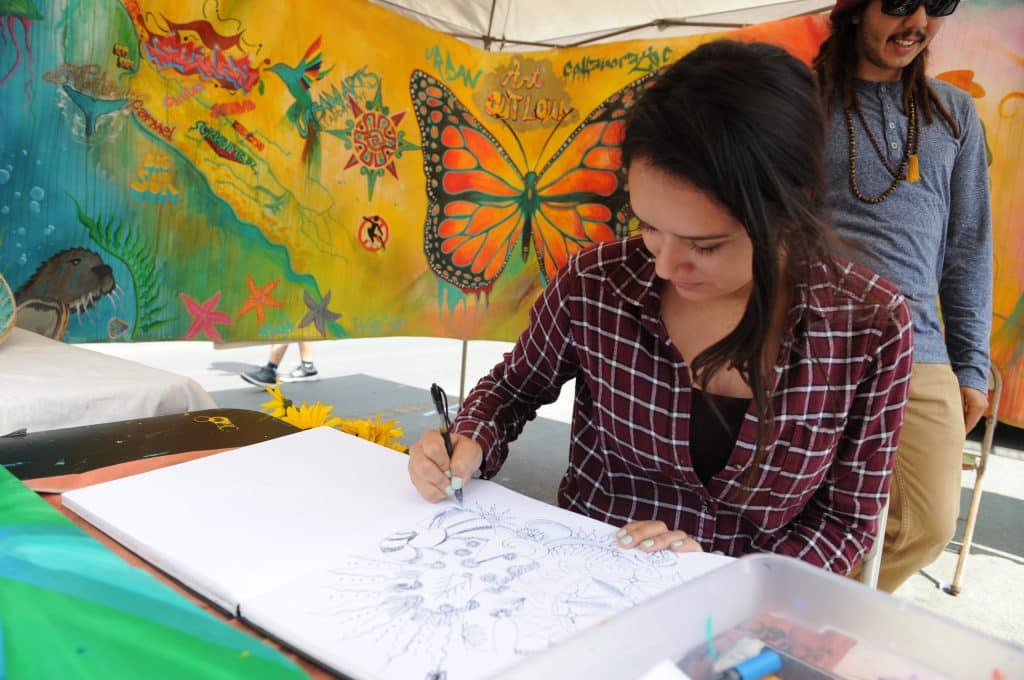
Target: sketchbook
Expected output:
[319,540]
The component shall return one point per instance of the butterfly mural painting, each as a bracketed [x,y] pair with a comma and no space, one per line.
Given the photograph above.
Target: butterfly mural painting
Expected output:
[481,204]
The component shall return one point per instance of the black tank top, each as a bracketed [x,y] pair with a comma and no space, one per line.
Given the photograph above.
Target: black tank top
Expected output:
[710,442]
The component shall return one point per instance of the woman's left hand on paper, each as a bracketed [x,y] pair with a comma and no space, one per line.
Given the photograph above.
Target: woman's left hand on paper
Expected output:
[654,535]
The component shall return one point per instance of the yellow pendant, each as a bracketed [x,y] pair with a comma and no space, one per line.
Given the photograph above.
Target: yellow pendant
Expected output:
[913,169]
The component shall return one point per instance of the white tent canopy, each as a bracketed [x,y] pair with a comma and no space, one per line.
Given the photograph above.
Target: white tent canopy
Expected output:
[536,24]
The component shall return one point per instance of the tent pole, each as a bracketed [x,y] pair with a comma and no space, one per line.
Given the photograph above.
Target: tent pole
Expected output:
[462,378]
[490,27]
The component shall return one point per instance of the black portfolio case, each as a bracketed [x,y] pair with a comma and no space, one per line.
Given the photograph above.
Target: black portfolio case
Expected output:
[81,449]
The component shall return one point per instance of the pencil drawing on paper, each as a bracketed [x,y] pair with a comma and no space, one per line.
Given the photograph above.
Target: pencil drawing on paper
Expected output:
[478,581]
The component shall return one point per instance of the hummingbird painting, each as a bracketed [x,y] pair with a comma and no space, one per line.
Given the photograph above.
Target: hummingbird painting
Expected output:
[302,114]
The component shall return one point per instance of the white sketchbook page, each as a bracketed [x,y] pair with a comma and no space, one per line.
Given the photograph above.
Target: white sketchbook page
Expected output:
[450,592]
[236,524]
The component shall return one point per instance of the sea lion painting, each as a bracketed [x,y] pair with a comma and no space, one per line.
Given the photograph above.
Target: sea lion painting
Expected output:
[69,282]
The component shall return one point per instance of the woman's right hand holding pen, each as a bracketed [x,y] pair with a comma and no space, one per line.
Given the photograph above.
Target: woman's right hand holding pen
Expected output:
[429,465]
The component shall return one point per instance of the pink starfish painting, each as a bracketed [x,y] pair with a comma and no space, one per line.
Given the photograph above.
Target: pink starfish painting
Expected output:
[204,316]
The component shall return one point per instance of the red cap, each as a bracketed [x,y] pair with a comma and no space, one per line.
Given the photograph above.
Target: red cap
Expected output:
[844,6]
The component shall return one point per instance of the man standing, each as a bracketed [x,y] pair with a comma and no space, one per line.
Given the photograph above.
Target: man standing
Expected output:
[909,193]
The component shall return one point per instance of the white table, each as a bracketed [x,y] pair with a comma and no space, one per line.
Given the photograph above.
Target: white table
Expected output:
[45,384]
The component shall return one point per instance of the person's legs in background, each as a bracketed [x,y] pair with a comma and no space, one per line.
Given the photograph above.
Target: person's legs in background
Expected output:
[306,369]
[925,497]
[265,376]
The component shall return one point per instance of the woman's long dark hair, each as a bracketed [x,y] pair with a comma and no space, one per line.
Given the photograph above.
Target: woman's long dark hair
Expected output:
[836,66]
[743,122]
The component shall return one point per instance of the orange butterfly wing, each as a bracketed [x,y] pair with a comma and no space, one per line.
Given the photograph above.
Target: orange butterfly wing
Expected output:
[481,204]
[582,188]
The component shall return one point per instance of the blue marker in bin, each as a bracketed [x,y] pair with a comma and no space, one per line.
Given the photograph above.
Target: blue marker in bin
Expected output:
[754,668]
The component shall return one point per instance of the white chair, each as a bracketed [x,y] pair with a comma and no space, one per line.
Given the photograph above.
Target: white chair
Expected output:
[873,560]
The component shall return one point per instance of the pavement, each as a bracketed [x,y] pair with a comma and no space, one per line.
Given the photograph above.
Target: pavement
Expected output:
[390,378]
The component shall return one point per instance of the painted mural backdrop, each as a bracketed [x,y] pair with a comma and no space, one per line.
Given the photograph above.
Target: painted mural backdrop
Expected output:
[195,169]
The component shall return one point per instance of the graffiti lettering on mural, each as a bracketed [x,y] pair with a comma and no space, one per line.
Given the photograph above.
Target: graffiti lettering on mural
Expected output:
[69,282]
[259,298]
[134,247]
[513,107]
[374,139]
[334,104]
[183,56]
[151,123]
[318,315]
[299,79]
[24,12]
[87,78]
[526,94]
[441,60]
[124,61]
[374,233]
[154,180]
[231,108]
[213,41]
[187,92]
[250,137]
[647,61]
[379,325]
[205,317]
[222,146]
[206,33]
[482,204]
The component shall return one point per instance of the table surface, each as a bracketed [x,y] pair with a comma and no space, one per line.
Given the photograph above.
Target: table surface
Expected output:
[49,385]
[136,467]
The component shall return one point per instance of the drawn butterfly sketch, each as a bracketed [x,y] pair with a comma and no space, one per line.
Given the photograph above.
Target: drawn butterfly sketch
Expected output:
[481,203]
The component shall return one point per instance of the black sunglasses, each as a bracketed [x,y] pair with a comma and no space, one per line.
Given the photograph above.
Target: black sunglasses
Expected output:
[933,8]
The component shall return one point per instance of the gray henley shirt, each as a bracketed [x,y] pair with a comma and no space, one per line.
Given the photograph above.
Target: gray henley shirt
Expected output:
[931,238]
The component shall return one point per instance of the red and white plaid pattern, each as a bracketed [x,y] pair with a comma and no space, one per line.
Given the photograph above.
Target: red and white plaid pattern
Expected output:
[839,394]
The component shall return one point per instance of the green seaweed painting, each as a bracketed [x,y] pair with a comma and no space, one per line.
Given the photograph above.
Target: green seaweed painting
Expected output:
[138,254]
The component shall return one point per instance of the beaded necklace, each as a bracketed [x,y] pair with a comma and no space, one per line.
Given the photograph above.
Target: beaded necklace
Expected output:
[908,168]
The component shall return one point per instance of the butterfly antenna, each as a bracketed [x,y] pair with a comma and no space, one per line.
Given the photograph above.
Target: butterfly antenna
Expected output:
[526,161]
[558,124]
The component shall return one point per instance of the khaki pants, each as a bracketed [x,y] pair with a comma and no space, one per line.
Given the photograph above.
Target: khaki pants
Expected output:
[925,497]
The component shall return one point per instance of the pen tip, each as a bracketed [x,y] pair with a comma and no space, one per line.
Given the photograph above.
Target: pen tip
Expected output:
[458,496]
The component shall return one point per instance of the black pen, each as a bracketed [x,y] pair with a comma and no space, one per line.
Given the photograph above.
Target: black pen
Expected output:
[441,404]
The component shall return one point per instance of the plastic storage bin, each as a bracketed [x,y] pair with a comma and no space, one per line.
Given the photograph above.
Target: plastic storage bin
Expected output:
[823,625]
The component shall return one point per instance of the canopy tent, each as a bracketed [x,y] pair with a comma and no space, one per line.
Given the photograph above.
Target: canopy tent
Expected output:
[520,25]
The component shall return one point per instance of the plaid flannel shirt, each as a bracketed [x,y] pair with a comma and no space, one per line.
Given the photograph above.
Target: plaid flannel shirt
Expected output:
[839,391]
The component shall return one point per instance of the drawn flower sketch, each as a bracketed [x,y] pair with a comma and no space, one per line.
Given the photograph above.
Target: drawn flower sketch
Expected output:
[478,581]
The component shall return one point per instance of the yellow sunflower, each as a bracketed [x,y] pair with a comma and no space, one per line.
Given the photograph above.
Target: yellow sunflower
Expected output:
[279,405]
[306,416]
[379,432]
[358,428]
[313,415]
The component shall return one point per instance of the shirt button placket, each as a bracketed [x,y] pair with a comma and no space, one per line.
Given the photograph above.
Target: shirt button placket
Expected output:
[887,110]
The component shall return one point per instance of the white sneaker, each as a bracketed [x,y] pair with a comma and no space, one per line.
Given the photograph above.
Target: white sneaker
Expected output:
[301,374]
